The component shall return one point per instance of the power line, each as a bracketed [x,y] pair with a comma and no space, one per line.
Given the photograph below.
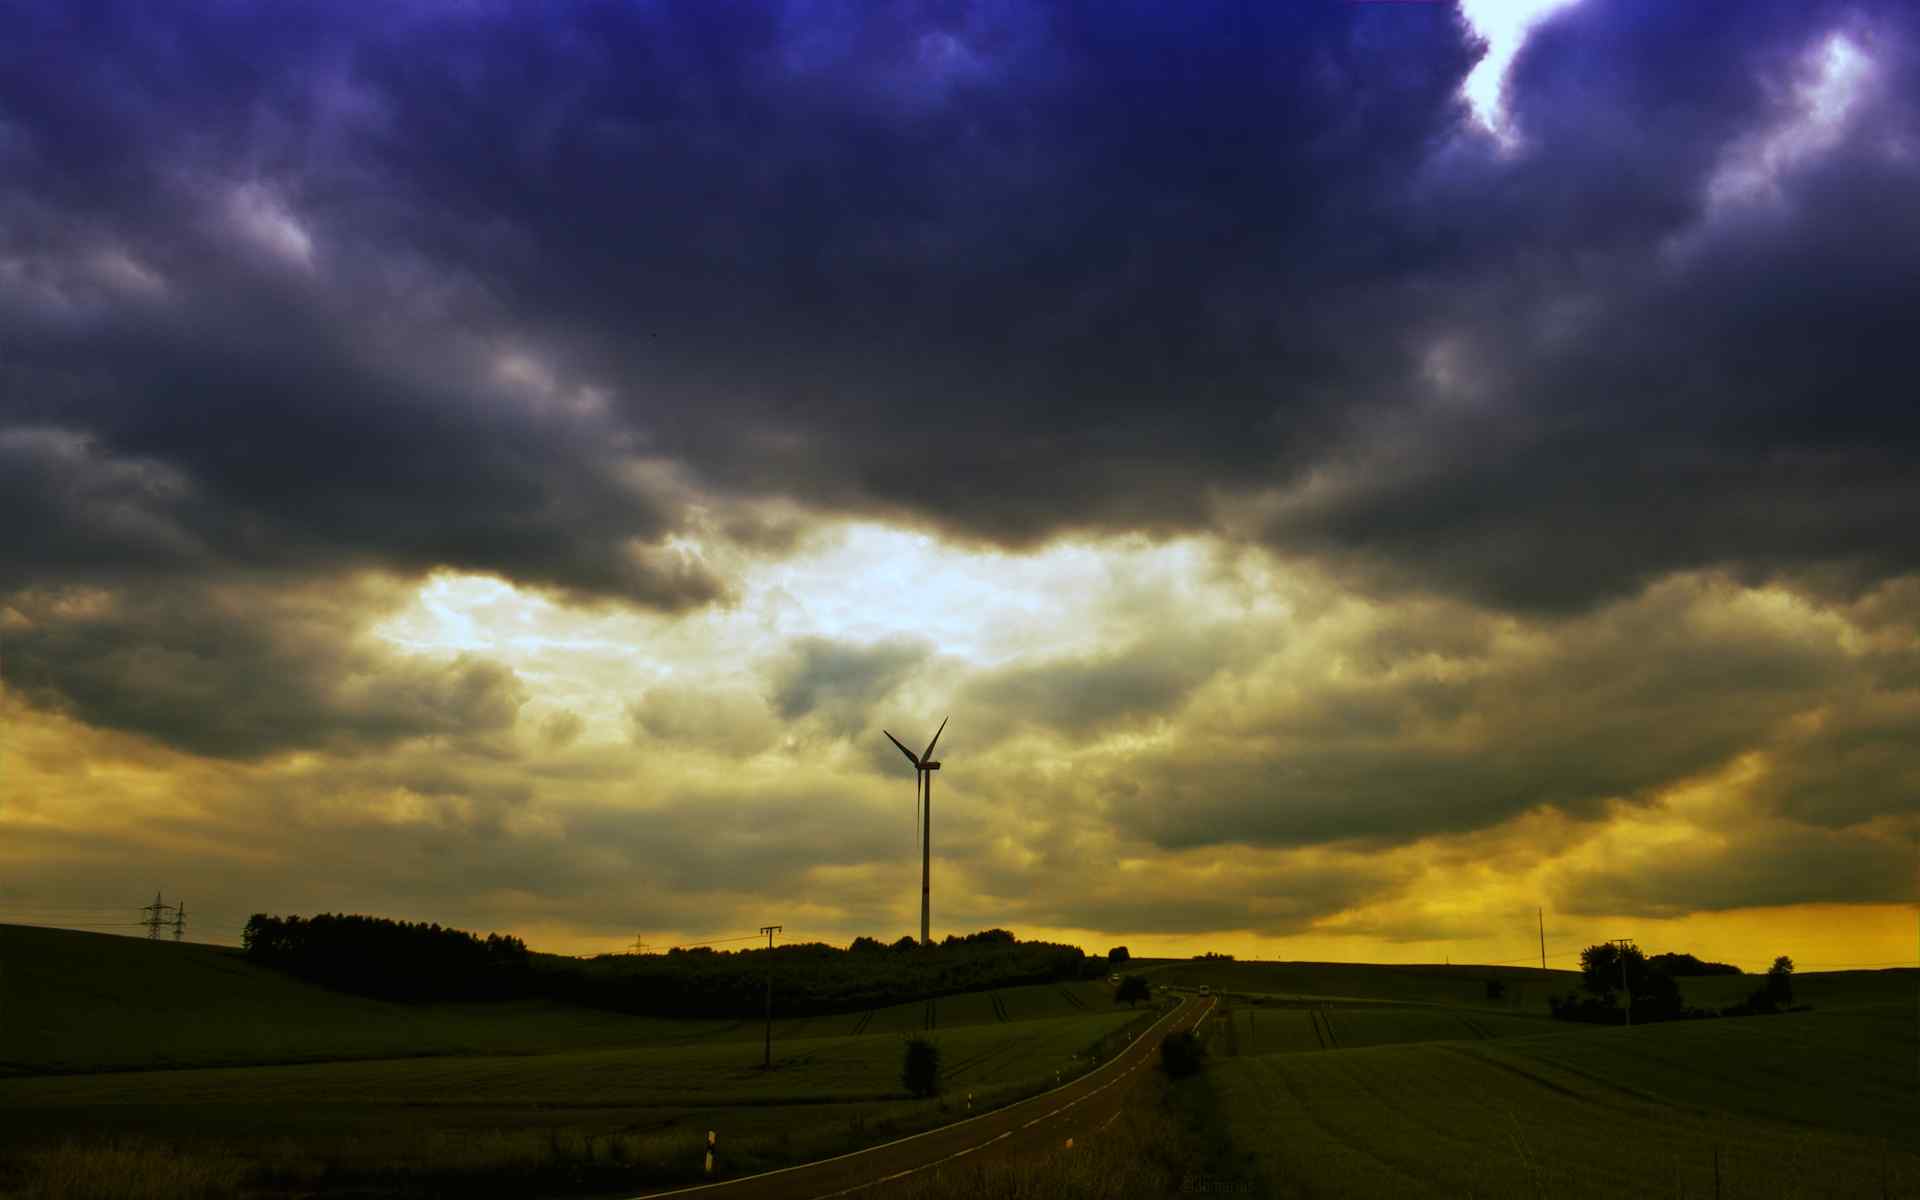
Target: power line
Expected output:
[745,937]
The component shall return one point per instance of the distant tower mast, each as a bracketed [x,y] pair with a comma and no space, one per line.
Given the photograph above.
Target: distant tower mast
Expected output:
[155,917]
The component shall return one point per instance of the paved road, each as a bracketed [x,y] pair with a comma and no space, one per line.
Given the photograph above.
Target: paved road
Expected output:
[1073,1110]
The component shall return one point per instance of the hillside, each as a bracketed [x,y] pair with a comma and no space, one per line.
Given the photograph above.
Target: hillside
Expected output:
[73,1001]
[91,1001]
[1802,1104]
[1522,989]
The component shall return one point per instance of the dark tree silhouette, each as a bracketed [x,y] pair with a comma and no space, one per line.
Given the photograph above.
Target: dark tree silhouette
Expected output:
[1118,955]
[920,1067]
[1132,989]
[1181,1053]
[1779,987]
[393,960]
[1683,966]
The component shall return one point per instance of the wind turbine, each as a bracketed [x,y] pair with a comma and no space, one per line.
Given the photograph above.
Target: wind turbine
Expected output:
[924,766]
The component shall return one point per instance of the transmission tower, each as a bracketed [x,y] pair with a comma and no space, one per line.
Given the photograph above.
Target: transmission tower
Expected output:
[639,945]
[179,920]
[156,916]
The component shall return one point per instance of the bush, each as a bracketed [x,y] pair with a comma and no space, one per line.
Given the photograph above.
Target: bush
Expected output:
[1181,1054]
[920,1068]
[1132,989]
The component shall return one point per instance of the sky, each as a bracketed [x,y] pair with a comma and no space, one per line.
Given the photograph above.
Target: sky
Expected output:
[1391,482]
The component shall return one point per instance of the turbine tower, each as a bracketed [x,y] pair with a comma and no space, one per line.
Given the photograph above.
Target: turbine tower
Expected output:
[924,766]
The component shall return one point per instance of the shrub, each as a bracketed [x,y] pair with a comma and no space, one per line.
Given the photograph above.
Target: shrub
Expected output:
[920,1068]
[1181,1053]
[1132,989]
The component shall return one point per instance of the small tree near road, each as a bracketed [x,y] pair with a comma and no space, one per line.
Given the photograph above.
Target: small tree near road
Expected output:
[1133,989]
[920,1070]
[1180,1053]
[1118,955]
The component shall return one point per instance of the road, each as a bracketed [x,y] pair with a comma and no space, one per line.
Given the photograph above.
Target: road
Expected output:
[1073,1110]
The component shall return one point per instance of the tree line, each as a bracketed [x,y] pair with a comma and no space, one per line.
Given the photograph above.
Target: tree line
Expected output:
[1653,991]
[390,960]
[397,960]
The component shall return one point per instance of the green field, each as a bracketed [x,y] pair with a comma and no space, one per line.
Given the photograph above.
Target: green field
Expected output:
[1265,1026]
[271,1082]
[146,1069]
[85,1002]
[1402,1094]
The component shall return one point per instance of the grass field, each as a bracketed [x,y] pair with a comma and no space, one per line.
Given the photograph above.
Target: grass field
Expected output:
[1324,1080]
[74,1001]
[340,1093]
[1291,1026]
[1354,1097]
[1523,989]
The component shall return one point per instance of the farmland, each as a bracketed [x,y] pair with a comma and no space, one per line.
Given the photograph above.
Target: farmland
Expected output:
[145,1062]
[1341,1098]
[269,1079]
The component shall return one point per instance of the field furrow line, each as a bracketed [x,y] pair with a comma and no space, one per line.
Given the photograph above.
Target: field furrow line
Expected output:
[1642,1101]
[1310,1107]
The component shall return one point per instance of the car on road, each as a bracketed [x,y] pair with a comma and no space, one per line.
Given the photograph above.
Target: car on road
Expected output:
[1206,989]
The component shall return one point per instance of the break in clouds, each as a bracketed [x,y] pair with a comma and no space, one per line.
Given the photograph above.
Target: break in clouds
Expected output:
[1317,478]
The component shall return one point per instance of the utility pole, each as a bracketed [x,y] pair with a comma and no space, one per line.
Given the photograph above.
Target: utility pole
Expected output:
[179,920]
[1624,943]
[639,945]
[1542,914]
[767,1063]
[153,917]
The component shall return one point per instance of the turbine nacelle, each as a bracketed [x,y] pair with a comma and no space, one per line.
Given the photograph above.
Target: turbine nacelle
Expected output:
[929,766]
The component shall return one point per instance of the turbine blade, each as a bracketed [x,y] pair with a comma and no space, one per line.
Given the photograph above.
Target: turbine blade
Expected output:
[903,750]
[936,737]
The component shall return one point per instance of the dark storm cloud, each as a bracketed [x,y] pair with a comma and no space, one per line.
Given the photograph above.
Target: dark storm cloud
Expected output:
[1008,270]
[959,261]
[294,292]
[244,672]
[1273,901]
[1684,345]
[1141,682]
[840,681]
[1746,868]
[1613,706]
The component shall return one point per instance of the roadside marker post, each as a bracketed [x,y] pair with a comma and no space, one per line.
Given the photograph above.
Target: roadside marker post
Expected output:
[709,1151]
